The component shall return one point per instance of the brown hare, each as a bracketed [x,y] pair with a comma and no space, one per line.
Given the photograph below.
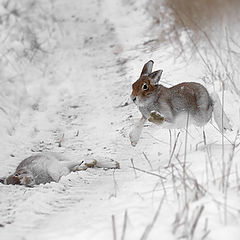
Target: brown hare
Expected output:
[48,167]
[175,106]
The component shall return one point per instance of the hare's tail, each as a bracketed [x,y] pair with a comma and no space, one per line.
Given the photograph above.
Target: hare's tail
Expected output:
[220,116]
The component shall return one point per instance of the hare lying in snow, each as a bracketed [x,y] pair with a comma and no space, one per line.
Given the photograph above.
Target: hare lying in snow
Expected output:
[175,106]
[48,167]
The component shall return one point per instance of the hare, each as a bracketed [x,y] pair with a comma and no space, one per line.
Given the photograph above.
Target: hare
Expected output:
[48,167]
[174,107]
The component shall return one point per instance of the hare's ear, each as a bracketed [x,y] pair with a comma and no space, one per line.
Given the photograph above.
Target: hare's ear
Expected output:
[147,68]
[12,180]
[2,180]
[155,76]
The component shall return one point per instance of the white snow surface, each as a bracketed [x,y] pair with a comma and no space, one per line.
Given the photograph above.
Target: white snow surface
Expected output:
[75,95]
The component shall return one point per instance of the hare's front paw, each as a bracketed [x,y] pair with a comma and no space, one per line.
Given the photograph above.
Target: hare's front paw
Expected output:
[155,117]
[134,136]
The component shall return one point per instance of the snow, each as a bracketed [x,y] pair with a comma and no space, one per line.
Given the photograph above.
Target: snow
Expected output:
[74,90]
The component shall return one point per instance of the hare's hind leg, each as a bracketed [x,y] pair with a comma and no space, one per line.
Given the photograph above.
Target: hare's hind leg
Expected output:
[107,163]
[203,112]
[101,162]
[136,132]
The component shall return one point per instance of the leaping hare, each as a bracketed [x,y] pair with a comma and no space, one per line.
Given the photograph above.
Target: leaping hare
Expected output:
[175,106]
[48,167]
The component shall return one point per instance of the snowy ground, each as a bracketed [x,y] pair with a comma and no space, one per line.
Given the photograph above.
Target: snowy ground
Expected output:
[76,95]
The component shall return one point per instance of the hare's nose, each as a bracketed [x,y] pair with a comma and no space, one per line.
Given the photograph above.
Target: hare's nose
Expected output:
[134,99]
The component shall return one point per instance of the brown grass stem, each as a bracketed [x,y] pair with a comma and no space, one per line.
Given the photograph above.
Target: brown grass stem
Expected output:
[135,173]
[208,156]
[174,147]
[196,221]
[150,173]
[150,226]
[124,225]
[114,228]
[185,159]
[145,156]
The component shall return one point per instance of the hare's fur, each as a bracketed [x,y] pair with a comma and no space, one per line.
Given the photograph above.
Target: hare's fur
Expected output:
[48,167]
[187,102]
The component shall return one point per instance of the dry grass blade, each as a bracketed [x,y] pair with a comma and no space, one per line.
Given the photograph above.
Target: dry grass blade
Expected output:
[145,156]
[174,147]
[208,156]
[114,228]
[193,42]
[196,221]
[221,60]
[124,225]
[185,159]
[158,140]
[221,133]
[205,234]
[135,173]
[223,161]
[231,159]
[150,226]
[150,173]
[228,171]
[170,139]
[115,184]
[237,178]
[217,53]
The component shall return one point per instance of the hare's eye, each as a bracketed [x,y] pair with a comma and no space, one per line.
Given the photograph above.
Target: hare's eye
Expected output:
[145,87]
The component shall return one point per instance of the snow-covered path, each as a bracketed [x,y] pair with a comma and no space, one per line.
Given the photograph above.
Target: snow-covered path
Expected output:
[80,110]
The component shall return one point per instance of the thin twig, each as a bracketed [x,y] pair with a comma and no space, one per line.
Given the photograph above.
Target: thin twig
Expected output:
[185,159]
[214,50]
[237,178]
[150,226]
[145,156]
[150,173]
[229,52]
[170,139]
[114,228]
[221,133]
[231,159]
[208,155]
[135,173]
[115,184]
[158,140]
[205,234]
[223,162]
[196,221]
[191,39]
[124,225]
[228,171]
[174,147]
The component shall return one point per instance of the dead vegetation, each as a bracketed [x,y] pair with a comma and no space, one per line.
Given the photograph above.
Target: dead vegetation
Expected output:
[28,35]
[207,31]
[209,16]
